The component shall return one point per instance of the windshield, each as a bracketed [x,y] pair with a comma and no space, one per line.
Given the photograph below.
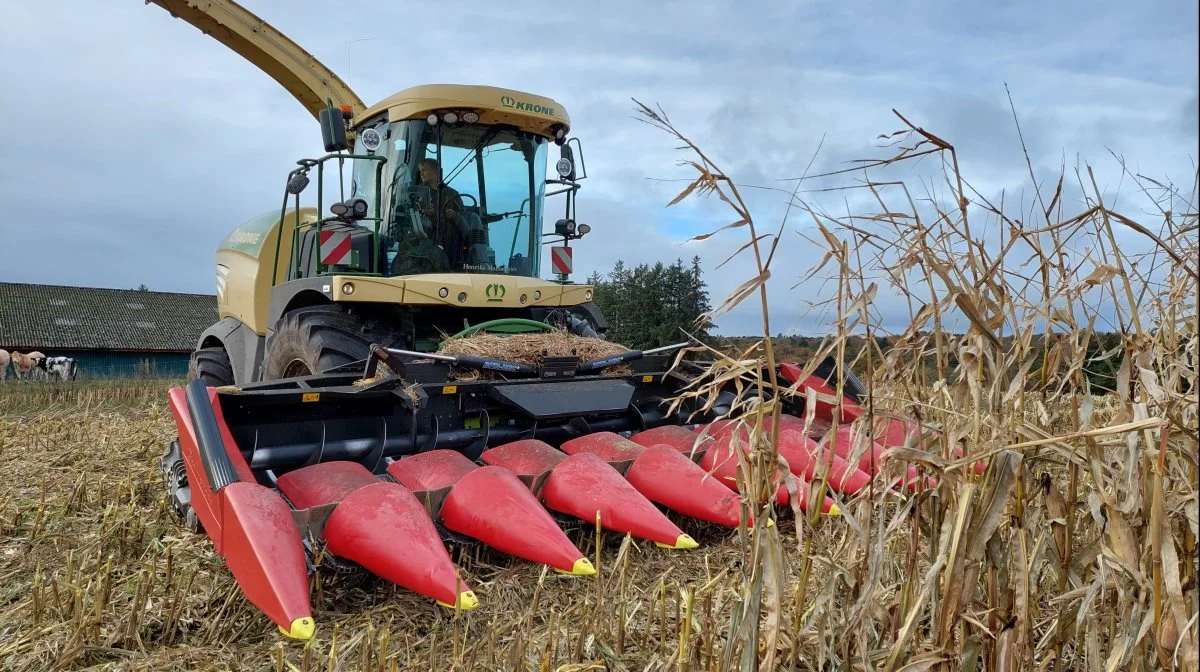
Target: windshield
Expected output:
[461,199]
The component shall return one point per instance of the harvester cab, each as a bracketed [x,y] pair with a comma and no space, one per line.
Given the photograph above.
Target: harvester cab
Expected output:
[450,191]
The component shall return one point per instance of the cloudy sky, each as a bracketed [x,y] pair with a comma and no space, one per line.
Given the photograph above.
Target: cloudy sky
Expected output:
[132,143]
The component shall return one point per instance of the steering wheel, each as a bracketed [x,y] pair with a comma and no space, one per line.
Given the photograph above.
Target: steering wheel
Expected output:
[409,205]
[416,193]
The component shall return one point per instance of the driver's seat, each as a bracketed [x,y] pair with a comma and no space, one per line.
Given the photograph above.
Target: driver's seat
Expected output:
[476,251]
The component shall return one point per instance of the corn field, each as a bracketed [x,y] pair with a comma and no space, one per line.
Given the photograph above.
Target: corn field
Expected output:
[1076,549]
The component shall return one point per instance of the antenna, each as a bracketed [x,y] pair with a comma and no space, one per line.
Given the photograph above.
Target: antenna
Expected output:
[350,57]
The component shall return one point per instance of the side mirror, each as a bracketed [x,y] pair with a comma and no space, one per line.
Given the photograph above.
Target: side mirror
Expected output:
[297,183]
[577,158]
[333,129]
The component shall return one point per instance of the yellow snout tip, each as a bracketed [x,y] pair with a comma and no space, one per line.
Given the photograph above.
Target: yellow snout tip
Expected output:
[770,523]
[302,628]
[835,510]
[684,542]
[466,601]
[582,567]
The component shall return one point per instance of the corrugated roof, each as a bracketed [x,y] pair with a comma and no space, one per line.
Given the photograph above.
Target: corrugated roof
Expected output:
[48,317]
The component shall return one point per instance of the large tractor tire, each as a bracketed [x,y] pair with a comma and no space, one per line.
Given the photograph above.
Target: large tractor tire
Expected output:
[317,339]
[212,366]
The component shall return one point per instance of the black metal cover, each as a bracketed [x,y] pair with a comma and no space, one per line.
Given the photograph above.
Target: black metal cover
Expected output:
[566,399]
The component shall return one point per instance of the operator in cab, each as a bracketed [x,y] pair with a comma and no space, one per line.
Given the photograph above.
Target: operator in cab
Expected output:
[440,206]
[445,195]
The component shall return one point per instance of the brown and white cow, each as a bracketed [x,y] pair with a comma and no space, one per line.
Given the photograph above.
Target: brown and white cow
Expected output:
[24,365]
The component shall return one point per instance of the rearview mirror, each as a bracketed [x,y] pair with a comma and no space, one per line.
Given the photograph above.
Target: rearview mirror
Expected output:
[333,129]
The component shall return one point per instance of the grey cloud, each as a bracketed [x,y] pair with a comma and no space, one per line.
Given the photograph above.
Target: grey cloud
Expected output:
[156,140]
[1190,116]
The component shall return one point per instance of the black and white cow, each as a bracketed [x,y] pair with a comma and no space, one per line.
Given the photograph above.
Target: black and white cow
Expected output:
[63,368]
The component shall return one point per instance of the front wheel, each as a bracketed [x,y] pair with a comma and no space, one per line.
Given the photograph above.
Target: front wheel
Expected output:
[212,366]
[317,339]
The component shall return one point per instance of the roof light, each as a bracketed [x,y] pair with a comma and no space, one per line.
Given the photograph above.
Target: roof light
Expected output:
[450,118]
[443,292]
[470,117]
[560,133]
[432,119]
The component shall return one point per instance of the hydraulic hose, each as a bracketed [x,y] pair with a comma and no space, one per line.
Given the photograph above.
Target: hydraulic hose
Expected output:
[508,324]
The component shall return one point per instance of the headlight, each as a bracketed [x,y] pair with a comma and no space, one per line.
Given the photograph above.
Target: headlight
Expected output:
[450,118]
[470,117]
[370,139]
[443,292]
[348,288]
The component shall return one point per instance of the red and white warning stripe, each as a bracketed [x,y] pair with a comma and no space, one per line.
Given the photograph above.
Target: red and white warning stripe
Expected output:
[560,259]
[335,247]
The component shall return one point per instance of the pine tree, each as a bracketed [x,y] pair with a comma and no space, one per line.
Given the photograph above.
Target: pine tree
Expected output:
[653,305]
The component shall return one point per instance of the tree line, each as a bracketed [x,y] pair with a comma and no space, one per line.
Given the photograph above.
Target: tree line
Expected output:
[651,305]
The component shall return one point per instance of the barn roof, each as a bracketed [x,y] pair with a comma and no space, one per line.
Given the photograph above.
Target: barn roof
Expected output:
[56,317]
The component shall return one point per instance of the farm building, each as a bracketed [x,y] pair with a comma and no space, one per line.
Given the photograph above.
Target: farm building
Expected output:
[109,332]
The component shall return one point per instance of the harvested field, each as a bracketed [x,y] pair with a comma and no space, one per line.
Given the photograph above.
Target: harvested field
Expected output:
[98,572]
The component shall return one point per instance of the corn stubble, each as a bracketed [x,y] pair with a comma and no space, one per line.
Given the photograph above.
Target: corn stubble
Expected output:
[1075,550]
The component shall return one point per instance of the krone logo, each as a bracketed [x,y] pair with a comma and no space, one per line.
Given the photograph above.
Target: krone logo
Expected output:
[495,292]
[522,106]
